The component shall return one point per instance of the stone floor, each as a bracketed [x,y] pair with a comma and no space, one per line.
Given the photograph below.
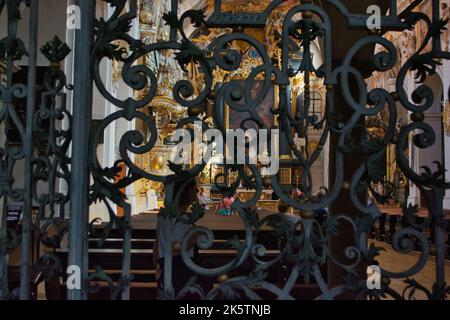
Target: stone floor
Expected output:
[396,262]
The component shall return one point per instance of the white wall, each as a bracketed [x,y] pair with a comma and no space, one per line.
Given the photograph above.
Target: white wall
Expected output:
[52,21]
[433,117]
[445,76]
[108,152]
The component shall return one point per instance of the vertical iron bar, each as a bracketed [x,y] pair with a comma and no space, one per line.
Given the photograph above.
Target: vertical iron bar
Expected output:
[439,231]
[28,152]
[173,30]
[82,106]
[126,257]
[393,8]
[217,6]
[3,255]
[439,242]
[4,290]
[169,196]
[435,20]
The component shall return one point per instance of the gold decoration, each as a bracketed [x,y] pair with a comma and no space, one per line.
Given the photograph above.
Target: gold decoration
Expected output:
[267,183]
[176,247]
[346,185]
[376,131]
[312,145]
[167,112]
[241,6]
[146,185]
[204,175]
[308,214]
[285,175]
[157,163]
[446,117]
[242,73]
[116,70]
[222,278]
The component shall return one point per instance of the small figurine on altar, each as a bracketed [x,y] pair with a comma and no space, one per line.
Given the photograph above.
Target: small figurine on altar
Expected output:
[152,200]
[299,144]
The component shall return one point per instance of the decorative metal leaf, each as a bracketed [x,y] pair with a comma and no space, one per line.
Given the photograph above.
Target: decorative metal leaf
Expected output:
[12,47]
[55,50]
[172,20]
[197,17]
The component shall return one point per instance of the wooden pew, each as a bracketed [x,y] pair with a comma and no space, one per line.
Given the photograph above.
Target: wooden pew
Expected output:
[143,286]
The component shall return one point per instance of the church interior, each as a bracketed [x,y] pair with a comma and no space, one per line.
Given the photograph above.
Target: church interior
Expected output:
[363,161]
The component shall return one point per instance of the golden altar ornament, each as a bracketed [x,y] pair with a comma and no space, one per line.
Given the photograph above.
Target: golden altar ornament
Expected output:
[446,117]
[157,163]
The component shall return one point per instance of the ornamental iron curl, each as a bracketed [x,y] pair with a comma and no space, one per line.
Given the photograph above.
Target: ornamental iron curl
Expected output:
[305,244]
[306,249]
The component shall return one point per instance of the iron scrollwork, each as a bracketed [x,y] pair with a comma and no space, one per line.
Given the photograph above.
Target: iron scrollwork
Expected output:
[49,161]
[307,249]
[305,243]
[12,49]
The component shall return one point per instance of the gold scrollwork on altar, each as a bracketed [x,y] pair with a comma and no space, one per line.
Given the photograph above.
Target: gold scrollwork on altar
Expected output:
[166,112]
[446,117]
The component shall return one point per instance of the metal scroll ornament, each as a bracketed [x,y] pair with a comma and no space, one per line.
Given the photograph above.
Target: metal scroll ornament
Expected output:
[347,104]
[303,24]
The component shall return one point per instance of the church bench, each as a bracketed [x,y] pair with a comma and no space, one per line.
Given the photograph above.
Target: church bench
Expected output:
[117,243]
[149,291]
[109,257]
[143,258]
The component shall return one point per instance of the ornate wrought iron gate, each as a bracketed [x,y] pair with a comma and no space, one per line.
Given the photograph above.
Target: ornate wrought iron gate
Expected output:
[49,130]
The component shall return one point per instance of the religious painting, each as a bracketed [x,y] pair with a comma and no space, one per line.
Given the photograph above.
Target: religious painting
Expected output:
[285,176]
[234,118]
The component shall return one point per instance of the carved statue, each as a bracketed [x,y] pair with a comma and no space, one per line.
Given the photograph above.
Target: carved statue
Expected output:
[152,199]
[299,144]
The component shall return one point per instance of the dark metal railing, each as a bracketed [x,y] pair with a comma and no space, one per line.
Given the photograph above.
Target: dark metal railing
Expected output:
[306,248]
